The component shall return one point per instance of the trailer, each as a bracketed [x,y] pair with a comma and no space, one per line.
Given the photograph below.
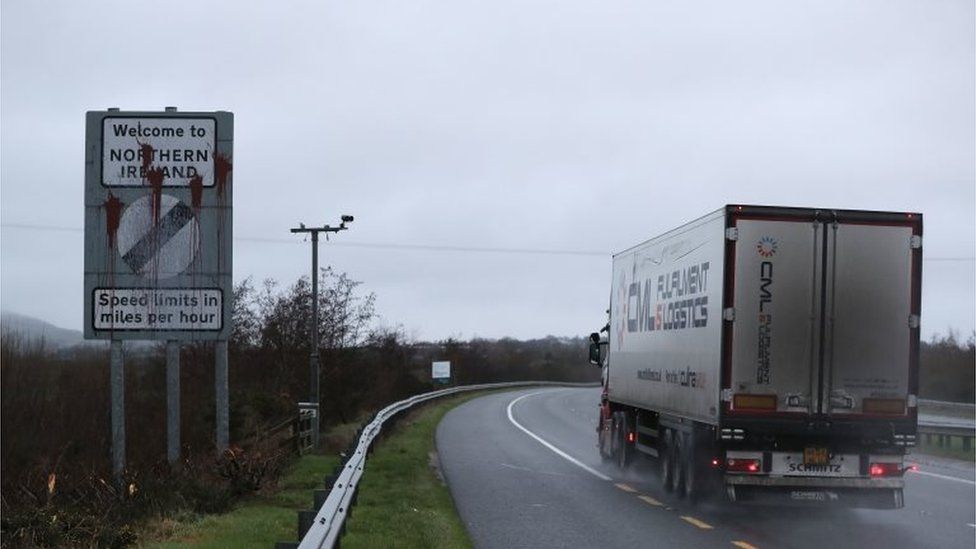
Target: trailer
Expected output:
[767,352]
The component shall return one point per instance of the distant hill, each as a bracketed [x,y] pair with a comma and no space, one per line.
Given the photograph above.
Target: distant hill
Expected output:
[34,329]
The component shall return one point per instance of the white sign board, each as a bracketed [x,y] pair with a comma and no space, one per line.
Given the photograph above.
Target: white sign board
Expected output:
[177,151]
[440,370]
[158,225]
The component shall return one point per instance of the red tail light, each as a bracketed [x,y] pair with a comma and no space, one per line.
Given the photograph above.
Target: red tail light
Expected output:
[716,462]
[631,436]
[742,465]
[885,470]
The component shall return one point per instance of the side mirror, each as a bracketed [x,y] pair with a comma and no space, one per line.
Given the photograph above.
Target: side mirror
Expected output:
[595,354]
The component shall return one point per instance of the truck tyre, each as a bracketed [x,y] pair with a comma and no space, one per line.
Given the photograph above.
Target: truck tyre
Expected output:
[692,471]
[623,448]
[680,462]
[605,438]
[667,461]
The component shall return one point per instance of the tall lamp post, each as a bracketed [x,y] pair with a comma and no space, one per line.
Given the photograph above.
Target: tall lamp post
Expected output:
[314,354]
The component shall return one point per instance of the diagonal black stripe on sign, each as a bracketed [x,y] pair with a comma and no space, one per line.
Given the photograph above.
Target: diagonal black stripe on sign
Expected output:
[150,244]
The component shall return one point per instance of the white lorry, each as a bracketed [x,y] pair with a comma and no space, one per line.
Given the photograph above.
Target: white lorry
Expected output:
[768,352]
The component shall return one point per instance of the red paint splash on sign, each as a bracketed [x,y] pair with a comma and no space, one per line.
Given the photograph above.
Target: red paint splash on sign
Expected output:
[222,169]
[113,214]
[155,177]
[196,190]
[146,153]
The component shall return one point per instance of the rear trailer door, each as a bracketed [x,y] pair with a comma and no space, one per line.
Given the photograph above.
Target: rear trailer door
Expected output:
[777,303]
[870,322]
[824,312]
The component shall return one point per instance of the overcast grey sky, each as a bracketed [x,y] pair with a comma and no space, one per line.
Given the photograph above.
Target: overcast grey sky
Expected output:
[548,125]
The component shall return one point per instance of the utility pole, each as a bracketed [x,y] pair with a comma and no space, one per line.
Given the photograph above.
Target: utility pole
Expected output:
[314,329]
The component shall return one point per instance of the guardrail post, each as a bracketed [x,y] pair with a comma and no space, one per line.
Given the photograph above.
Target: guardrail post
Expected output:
[305,519]
[318,498]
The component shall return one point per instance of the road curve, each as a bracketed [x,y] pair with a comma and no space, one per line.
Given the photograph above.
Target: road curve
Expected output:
[524,472]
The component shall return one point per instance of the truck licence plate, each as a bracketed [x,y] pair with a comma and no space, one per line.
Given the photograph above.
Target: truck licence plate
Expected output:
[816,456]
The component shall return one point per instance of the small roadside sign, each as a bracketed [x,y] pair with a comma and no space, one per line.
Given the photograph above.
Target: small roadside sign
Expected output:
[440,370]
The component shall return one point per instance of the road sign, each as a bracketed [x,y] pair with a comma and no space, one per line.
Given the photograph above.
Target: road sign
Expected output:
[440,370]
[158,225]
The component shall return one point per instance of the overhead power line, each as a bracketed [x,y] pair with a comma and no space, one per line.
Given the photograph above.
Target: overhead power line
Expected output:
[373,245]
[420,247]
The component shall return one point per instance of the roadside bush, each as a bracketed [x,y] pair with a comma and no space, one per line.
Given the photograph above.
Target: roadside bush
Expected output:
[947,368]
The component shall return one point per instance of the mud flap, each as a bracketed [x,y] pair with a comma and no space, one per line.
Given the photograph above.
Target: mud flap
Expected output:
[861,498]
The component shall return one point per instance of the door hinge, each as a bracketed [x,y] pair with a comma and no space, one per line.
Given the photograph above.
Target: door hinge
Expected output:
[914,322]
[732,233]
[726,395]
[915,242]
[728,313]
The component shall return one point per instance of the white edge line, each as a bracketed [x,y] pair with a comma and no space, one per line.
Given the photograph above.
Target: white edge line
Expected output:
[946,477]
[559,452]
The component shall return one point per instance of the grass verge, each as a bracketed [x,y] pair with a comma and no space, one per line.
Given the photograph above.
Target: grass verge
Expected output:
[402,500]
[259,521]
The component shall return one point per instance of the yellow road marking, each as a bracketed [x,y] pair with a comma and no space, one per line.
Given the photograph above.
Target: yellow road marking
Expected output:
[744,545]
[696,522]
[652,501]
[625,488]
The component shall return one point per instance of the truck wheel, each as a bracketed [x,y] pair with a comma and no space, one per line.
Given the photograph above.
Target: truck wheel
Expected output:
[623,448]
[692,476]
[680,463]
[605,439]
[613,438]
[667,461]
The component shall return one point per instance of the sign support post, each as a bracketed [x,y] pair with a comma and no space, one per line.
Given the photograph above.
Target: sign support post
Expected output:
[223,396]
[172,402]
[117,381]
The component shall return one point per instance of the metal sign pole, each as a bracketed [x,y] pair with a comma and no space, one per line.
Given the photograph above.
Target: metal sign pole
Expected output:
[172,402]
[223,398]
[314,356]
[117,381]
[313,359]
